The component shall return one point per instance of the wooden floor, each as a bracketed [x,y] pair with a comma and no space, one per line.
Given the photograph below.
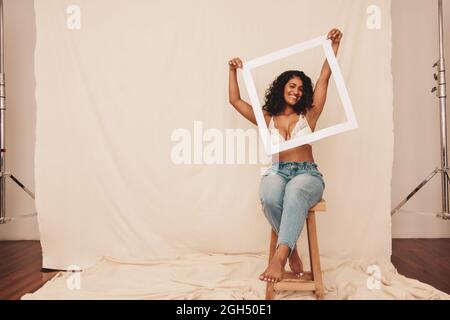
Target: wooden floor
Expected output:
[20,268]
[427,260]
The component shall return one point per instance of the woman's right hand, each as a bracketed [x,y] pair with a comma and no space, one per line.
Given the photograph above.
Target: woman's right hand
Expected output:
[234,64]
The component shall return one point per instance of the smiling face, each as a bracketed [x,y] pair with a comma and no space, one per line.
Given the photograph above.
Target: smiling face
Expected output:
[293,91]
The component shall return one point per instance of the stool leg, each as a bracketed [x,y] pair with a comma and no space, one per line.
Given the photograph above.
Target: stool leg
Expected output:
[272,248]
[314,254]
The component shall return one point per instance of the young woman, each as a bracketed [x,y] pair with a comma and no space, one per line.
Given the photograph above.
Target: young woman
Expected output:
[293,184]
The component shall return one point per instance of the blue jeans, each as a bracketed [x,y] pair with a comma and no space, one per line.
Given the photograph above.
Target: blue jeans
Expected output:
[287,191]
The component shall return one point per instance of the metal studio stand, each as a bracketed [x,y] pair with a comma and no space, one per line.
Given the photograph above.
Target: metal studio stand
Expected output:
[3,174]
[441,94]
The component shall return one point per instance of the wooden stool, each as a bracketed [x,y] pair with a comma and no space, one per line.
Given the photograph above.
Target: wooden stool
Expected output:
[309,281]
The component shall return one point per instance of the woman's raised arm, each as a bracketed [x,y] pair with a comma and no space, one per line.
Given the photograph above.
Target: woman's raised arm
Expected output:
[234,96]
[320,90]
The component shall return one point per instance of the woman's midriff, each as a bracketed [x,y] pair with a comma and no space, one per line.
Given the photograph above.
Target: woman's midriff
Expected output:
[297,154]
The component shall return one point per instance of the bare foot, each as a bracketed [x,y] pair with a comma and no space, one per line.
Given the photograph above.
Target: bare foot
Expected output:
[296,263]
[274,272]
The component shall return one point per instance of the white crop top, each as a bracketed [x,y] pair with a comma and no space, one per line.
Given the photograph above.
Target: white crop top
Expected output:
[301,128]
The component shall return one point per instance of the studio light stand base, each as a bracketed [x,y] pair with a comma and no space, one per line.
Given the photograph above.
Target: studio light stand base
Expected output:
[3,177]
[444,173]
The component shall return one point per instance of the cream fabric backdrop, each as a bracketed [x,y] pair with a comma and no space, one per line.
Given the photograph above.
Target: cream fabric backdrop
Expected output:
[109,197]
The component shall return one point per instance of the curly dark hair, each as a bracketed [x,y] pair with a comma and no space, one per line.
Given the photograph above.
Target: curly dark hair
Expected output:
[274,98]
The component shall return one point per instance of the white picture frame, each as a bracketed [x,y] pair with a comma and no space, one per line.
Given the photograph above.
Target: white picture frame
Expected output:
[350,122]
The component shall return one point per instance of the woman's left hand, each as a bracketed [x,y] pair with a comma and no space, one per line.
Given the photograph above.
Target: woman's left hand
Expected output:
[335,35]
